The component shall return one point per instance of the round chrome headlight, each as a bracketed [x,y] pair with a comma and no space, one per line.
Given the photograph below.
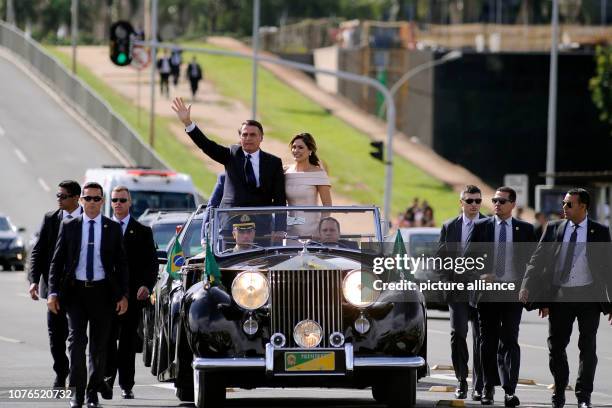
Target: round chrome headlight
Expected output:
[250,290]
[358,288]
[308,334]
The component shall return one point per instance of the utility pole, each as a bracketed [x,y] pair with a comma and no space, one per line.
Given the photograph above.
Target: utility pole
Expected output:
[255,53]
[74,32]
[153,67]
[551,144]
[10,12]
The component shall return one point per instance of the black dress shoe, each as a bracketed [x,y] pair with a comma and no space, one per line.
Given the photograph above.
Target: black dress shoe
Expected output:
[106,391]
[461,391]
[476,395]
[487,397]
[127,394]
[585,404]
[511,401]
[59,382]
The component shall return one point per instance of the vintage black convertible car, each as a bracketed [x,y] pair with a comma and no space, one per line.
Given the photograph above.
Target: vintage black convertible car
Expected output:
[293,306]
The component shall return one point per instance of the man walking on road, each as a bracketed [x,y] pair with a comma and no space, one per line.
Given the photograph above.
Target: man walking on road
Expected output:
[68,193]
[142,268]
[195,74]
[573,262]
[453,237]
[505,262]
[89,279]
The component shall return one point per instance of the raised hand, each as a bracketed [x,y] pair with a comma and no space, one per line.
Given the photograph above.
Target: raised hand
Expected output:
[182,111]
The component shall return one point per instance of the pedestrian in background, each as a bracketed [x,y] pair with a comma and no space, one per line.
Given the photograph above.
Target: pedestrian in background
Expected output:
[142,268]
[165,68]
[68,192]
[195,75]
[176,59]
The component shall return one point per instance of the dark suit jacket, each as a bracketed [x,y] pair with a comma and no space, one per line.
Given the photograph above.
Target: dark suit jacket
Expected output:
[189,72]
[484,232]
[141,257]
[449,245]
[540,274]
[42,252]
[236,191]
[68,250]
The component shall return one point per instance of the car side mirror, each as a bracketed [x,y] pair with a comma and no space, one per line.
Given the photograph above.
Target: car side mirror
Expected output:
[162,256]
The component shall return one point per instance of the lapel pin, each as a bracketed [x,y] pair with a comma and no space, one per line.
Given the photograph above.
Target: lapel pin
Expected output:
[516,228]
[105,225]
[131,231]
[592,231]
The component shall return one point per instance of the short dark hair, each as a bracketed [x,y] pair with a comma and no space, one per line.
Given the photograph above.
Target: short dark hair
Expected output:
[470,189]
[93,184]
[328,219]
[583,195]
[72,187]
[510,191]
[251,122]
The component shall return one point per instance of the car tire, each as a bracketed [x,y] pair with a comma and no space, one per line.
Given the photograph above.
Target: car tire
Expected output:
[210,392]
[184,393]
[162,353]
[379,393]
[400,389]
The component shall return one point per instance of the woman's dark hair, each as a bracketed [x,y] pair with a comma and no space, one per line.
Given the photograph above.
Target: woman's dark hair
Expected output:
[311,144]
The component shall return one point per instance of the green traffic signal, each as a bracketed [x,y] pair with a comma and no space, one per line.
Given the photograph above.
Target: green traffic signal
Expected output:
[122,58]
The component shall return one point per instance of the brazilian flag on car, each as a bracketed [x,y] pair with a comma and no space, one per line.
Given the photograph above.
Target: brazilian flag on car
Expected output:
[176,259]
[399,249]
[211,268]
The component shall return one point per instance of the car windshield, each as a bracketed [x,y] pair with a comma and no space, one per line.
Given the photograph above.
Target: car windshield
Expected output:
[423,244]
[4,224]
[141,200]
[190,238]
[163,233]
[237,230]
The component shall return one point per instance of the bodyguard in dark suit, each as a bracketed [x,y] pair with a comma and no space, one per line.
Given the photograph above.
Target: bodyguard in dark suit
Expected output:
[499,322]
[453,237]
[89,279]
[142,268]
[254,178]
[68,193]
[573,264]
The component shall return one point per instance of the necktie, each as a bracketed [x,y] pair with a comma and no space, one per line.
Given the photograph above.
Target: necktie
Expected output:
[122,224]
[500,262]
[569,255]
[249,173]
[90,252]
[69,217]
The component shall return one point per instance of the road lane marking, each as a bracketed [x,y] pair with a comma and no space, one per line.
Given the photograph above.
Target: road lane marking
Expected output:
[43,185]
[21,156]
[9,340]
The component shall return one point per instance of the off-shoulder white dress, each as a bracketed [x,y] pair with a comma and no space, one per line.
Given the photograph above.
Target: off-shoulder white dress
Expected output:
[301,189]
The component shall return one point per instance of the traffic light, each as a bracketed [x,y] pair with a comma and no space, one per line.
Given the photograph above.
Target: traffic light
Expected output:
[121,43]
[378,150]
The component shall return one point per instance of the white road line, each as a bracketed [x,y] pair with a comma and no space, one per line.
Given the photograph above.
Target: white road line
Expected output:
[437,331]
[21,156]
[43,185]
[531,346]
[9,340]
[2,132]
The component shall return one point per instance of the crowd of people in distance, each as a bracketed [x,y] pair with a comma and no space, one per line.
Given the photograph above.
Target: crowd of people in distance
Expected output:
[169,65]
[419,214]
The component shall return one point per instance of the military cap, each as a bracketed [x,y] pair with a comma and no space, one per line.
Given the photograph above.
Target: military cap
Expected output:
[243,222]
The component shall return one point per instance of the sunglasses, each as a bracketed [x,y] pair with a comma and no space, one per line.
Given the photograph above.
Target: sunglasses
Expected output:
[567,204]
[502,201]
[472,200]
[120,200]
[63,196]
[96,199]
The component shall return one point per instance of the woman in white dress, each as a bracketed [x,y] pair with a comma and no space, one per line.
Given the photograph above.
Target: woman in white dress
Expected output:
[306,183]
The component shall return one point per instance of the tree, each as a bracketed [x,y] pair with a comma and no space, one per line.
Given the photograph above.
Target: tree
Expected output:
[601,84]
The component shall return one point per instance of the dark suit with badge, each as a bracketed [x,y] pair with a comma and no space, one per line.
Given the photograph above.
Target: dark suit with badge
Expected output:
[87,302]
[461,312]
[548,288]
[142,267]
[499,322]
[40,263]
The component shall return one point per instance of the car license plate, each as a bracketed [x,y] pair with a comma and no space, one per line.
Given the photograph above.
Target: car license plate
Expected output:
[310,361]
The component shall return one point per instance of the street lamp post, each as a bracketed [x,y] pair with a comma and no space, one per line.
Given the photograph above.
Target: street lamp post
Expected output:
[74,33]
[255,54]
[552,98]
[153,66]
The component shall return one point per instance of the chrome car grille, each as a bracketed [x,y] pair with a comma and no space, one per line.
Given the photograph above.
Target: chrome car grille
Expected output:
[297,295]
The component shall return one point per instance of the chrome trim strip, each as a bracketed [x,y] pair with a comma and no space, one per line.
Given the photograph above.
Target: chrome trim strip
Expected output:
[269,360]
[348,357]
[390,362]
[200,363]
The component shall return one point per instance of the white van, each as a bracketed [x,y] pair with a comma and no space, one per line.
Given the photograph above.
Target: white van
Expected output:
[159,189]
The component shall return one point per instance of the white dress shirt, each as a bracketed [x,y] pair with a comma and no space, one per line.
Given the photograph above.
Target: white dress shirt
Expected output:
[508,275]
[580,274]
[81,269]
[73,214]
[125,221]
[467,227]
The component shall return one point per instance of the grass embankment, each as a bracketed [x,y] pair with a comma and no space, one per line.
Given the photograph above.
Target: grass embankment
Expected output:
[285,112]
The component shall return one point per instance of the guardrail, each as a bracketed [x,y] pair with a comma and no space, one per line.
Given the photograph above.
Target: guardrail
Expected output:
[80,97]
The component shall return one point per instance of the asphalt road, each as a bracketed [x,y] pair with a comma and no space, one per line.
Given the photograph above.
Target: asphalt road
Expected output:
[40,145]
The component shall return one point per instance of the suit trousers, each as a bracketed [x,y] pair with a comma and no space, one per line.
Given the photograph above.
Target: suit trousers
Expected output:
[461,313]
[122,345]
[57,327]
[93,306]
[560,322]
[499,349]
